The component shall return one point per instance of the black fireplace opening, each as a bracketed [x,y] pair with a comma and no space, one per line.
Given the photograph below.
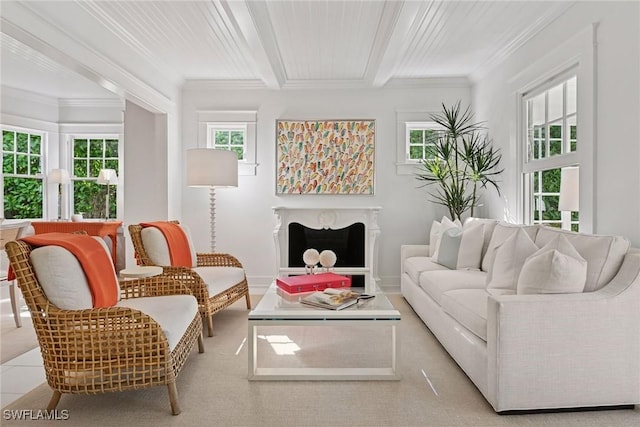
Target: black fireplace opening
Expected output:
[347,243]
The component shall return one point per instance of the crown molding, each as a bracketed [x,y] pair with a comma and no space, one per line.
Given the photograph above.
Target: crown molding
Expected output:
[89,103]
[29,96]
[429,82]
[222,84]
[555,10]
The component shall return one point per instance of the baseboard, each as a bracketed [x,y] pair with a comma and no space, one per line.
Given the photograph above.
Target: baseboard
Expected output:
[558,410]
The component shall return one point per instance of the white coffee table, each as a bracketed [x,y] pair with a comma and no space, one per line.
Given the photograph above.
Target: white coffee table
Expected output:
[274,310]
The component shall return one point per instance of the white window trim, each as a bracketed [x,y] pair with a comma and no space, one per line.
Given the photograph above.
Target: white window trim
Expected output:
[69,132]
[208,120]
[44,144]
[404,120]
[577,54]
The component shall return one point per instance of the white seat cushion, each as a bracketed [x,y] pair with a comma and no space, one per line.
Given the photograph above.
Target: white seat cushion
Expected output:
[219,279]
[437,282]
[469,308]
[157,249]
[414,266]
[174,313]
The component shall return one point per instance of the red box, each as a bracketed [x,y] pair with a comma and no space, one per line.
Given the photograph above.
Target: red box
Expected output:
[312,282]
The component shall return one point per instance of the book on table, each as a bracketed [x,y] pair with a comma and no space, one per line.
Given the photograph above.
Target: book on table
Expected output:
[334,299]
[312,282]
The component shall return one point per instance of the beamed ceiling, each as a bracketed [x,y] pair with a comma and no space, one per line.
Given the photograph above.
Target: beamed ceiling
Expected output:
[57,47]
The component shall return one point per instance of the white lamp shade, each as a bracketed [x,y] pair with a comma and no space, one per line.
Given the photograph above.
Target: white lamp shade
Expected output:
[107,177]
[207,167]
[569,189]
[59,176]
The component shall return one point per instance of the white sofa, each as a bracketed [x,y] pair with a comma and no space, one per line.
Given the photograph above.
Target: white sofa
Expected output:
[540,351]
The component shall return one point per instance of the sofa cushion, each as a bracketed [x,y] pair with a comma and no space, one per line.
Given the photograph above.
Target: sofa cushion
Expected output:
[157,249]
[508,261]
[174,313]
[437,282]
[469,308]
[555,268]
[414,266]
[445,225]
[461,247]
[502,232]
[604,254]
[219,279]
[489,226]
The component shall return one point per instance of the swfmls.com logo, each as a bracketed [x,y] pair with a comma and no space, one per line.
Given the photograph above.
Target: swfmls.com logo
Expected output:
[40,414]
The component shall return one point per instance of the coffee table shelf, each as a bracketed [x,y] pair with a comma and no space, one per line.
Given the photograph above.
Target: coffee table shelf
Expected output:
[273,310]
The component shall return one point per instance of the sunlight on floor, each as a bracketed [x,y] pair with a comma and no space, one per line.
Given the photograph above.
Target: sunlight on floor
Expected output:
[281,344]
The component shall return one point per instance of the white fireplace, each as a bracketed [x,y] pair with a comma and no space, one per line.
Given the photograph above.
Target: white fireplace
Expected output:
[329,219]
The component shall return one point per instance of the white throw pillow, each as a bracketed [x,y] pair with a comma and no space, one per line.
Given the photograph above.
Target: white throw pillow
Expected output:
[157,249]
[445,224]
[461,248]
[556,268]
[508,261]
[501,232]
[434,235]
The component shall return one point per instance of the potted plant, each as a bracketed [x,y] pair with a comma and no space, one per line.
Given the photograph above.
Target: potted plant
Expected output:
[463,159]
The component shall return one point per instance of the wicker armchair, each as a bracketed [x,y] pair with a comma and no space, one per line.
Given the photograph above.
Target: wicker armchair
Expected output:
[93,351]
[211,299]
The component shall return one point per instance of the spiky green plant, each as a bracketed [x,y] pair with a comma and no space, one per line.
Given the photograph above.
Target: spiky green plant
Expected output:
[463,160]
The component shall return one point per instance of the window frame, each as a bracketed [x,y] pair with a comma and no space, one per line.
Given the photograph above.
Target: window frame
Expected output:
[531,165]
[422,126]
[43,134]
[404,120]
[214,127]
[208,120]
[71,137]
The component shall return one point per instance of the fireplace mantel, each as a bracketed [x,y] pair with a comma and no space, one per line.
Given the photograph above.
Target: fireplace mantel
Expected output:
[328,218]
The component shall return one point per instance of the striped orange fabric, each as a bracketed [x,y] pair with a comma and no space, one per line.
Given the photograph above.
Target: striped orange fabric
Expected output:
[95,262]
[177,241]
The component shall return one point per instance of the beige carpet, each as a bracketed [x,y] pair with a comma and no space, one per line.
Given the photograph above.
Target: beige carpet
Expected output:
[214,390]
[14,341]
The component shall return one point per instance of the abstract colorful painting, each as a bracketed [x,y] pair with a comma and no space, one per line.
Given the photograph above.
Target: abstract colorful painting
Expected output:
[325,156]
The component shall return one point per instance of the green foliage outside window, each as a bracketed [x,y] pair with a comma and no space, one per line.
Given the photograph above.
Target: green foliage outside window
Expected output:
[21,165]
[230,140]
[90,155]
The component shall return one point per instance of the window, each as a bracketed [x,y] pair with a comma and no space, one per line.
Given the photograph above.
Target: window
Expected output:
[228,136]
[231,130]
[420,138]
[89,156]
[550,123]
[22,169]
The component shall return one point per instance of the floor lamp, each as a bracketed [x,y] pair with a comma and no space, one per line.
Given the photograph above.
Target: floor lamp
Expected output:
[569,194]
[207,167]
[107,177]
[60,177]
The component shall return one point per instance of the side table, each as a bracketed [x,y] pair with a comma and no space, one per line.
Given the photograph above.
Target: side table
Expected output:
[139,271]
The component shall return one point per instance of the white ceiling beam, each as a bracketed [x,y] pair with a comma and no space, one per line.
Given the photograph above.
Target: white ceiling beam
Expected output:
[386,27]
[27,27]
[401,28]
[252,23]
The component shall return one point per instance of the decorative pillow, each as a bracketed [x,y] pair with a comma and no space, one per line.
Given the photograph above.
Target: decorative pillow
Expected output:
[501,232]
[508,261]
[489,226]
[556,268]
[436,234]
[461,247]
[157,249]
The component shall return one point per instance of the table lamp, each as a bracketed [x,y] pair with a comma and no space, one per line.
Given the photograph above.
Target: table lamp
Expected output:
[60,177]
[569,193]
[208,167]
[107,177]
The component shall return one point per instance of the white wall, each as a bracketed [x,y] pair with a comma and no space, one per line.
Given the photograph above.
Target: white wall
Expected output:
[615,172]
[244,217]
